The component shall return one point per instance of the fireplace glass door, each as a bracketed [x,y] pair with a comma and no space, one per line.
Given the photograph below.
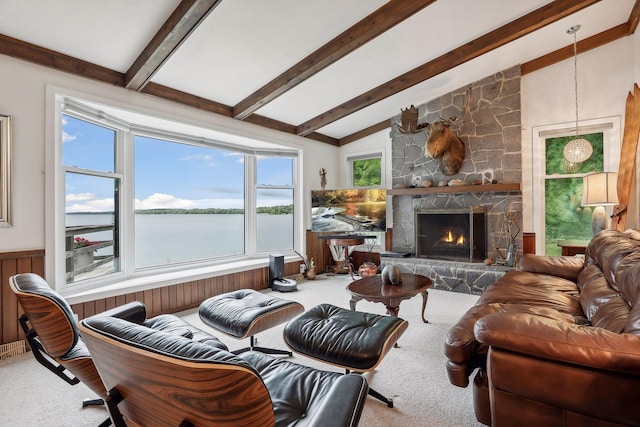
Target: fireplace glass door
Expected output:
[451,234]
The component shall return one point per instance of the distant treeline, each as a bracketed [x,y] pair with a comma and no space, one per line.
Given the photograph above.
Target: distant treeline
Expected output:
[272,210]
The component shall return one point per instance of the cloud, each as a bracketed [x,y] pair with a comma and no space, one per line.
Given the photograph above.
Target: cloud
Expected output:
[67,137]
[167,201]
[164,201]
[204,157]
[87,202]
[80,197]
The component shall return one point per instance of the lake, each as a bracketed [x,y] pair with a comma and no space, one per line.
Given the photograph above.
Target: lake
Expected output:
[174,238]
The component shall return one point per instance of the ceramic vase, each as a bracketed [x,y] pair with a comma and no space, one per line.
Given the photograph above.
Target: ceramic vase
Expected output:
[367,269]
[391,275]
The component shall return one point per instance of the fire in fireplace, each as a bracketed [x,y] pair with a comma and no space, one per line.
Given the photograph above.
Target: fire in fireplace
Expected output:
[451,234]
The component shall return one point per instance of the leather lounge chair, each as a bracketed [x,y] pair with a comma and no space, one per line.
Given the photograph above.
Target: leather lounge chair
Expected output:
[50,328]
[157,379]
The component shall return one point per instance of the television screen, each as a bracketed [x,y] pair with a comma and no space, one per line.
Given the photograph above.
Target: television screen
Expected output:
[348,211]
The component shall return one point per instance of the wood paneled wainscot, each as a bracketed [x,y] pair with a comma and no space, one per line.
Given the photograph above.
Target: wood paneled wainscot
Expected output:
[168,299]
[12,263]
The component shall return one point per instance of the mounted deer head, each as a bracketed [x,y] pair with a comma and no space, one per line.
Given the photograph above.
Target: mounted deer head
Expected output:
[443,144]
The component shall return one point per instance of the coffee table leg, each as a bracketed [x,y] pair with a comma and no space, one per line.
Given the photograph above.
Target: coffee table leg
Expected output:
[425,297]
[352,303]
[393,311]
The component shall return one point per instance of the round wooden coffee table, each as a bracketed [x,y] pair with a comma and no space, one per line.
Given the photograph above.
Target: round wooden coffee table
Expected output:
[372,289]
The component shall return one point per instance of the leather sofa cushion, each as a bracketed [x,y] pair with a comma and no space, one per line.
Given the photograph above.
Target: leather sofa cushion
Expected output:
[560,266]
[628,278]
[607,249]
[461,345]
[541,290]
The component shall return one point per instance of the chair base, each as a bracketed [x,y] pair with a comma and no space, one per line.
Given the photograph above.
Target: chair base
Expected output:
[97,402]
[381,397]
[375,393]
[92,402]
[253,347]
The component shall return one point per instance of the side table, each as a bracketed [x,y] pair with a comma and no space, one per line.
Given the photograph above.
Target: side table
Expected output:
[341,247]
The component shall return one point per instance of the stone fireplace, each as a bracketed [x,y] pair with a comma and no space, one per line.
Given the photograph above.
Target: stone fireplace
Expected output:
[451,234]
[489,113]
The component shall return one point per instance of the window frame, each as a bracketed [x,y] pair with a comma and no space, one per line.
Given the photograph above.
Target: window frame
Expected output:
[253,178]
[124,169]
[368,155]
[380,242]
[612,135]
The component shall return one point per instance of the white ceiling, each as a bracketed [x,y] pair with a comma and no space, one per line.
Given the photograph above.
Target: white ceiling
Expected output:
[244,44]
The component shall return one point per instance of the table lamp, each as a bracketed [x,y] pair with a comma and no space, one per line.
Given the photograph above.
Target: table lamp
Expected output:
[599,189]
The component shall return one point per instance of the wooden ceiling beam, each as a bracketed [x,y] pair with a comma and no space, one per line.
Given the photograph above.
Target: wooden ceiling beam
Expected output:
[200,103]
[385,124]
[182,22]
[597,40]
[386,17]
[499,37]
[186,99]
[634,17]
[59,61]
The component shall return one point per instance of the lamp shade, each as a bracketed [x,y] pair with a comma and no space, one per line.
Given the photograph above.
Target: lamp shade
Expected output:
[599,189]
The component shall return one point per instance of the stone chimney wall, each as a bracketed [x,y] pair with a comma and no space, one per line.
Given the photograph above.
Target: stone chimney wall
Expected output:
[489,124]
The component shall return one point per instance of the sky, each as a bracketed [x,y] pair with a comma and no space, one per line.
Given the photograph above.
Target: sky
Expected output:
[167,174]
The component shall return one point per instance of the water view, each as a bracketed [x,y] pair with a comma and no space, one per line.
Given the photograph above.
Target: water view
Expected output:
[174,238]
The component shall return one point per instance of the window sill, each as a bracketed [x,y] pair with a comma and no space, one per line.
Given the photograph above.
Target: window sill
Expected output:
[160,280]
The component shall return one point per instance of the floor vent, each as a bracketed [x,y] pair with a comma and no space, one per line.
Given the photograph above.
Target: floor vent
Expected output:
[11,349]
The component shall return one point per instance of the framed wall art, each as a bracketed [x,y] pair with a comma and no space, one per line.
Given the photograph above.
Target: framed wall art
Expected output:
[5,171]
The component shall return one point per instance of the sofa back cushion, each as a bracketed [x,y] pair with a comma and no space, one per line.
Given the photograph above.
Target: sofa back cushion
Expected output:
[607,249]
[609,284]
[628,278]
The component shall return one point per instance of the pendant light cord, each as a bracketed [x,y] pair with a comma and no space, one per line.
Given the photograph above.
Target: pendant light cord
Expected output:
[573,30]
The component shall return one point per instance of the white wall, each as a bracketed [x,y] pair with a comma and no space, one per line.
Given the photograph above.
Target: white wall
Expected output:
[316,157]
[605,76]
[23,90]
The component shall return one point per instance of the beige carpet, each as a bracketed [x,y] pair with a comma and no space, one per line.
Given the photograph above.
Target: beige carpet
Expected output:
[414,374]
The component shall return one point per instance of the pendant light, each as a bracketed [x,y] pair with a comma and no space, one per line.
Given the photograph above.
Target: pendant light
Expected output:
[579,149]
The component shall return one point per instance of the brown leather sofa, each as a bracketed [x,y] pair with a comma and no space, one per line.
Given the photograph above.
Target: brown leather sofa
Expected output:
[557,342]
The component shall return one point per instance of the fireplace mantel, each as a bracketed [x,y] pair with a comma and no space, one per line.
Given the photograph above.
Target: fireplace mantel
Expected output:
[486,188]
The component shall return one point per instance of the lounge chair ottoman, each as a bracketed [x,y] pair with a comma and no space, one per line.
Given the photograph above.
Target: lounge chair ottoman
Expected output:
[244,313]
[353,340]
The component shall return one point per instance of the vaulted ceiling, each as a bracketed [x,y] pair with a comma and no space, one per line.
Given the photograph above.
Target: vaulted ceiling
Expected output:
[331,70]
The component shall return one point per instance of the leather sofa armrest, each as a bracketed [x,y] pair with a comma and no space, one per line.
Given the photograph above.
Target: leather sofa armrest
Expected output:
[567,267]
[563,342]
[134,312]
[343,404]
